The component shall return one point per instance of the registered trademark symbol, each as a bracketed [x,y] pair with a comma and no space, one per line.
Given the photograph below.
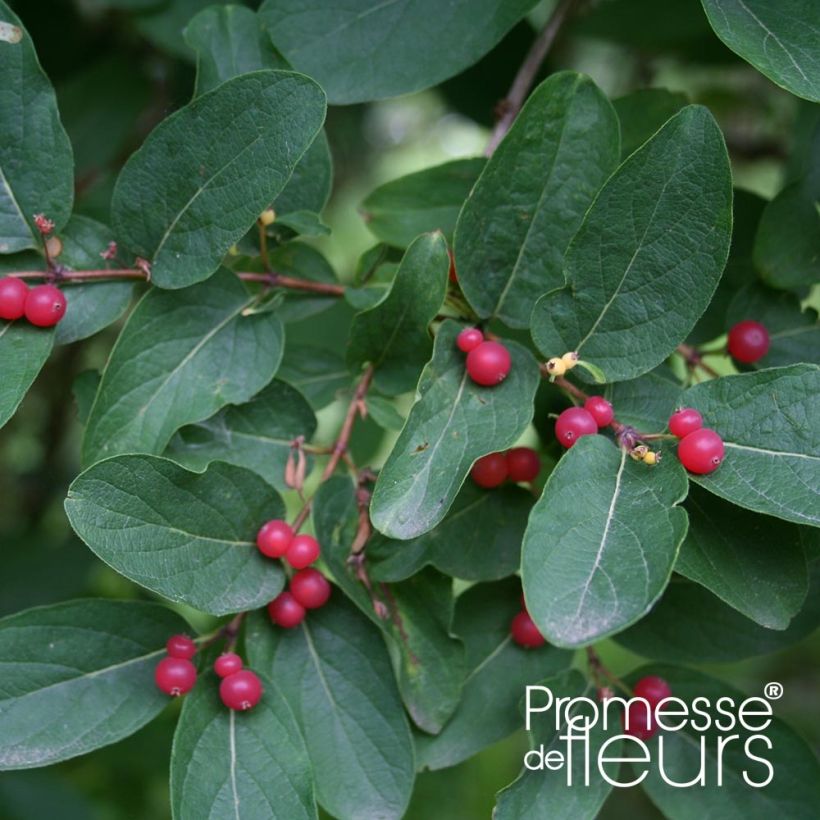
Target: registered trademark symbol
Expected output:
[773,690]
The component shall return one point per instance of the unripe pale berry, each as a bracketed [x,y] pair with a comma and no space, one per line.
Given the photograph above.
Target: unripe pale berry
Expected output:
[267,217]
[600,409]
[653,689]
[556,367]
[651,458]
[490,470]
[180,646]
[45,305]
[227,663]
[13,293]
[570,359]
[701,452]
[303,551]
[523,464]
[524,631]
[489,363]
[685,421]
[573,423]
[241,691]
[469,339]
[274,538]
[175,676]
[748,342]
[310,588]
[286,611]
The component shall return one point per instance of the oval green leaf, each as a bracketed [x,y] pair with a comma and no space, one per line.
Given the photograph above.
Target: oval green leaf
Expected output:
[23,351]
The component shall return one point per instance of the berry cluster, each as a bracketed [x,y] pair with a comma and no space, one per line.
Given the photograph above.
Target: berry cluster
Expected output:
[558,365]
[308,588]
[517,464]
[639,718]
[700,449]
[524,631]
[488,362]
[175,675]
[575,422]
[43,305]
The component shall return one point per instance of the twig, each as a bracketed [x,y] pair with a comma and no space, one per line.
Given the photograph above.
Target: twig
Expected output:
[694,358]
[599,669]
[512,103]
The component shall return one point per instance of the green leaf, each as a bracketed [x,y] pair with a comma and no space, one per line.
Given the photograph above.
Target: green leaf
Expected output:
[499,671]
[647,402]
[643,112]
[617,519]
[181,356]
[229,41]
[92,305]
[795,786]
[164,24]
[84,389]
[794,333]
[649,254]
[309,187]
[77,676]
[730,552]
[531,198]
[778,39]
[532,790]
[303,223]
[487,525]
[256,435]
[36,163]
[392,336]
[429,200]
[373,49]
[690,625]
[206,193]
[770,425]
[384,413]
[335,674]
[23,351]
[239,764]
[414,616]
[452,424]
[319,374]
[190,537]
[787,244]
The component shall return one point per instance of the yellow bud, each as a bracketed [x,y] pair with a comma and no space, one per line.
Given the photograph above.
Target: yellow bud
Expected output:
[233,251]
[651,458]
[570,360]
[266,217]
[640,452]
[55,246]
[556,367]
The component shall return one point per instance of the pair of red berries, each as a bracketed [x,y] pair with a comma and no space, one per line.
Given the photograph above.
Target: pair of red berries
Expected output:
[175,675]
[277,540]
[488,362]
[524,631]
[308,589]
[700,449]
[43,305]
[576,422]
[517,464]
[748,341]
[641,722]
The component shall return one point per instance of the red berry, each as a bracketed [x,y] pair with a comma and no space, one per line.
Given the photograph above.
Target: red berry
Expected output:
[600,409]
[310,588]
[469,339]
[641,720]
[685,421]
[653,689]
[286,611]
[701,451]
[748,341]
[303,550]
[175,676]
[274,538]
[452,274]
[241,691]
[490,471]
[13,292]
[573,423]
[524,632]
[489,363]
[227,663]
[45,305]
[180,646]
[523,464]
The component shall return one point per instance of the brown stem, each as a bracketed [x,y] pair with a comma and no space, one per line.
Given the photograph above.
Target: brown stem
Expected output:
[512,103]
[263,246]
[341,444]
[694,358]
[276,280]
[599,669]
[229,632]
